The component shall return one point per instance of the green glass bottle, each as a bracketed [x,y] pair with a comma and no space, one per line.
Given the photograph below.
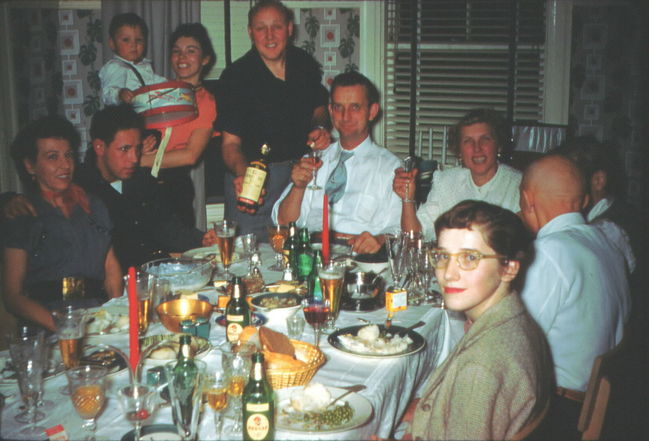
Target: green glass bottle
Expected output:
[184,377]
[291,245]
[313,282]
[304,256]
[258,404]
[237,312]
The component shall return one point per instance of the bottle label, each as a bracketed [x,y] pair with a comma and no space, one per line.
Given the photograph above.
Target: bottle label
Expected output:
[234,329]
[253,183]
[257,426]
[396,300]
[257,407]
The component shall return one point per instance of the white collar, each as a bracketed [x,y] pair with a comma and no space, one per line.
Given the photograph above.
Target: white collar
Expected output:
[561,221]
[599,208]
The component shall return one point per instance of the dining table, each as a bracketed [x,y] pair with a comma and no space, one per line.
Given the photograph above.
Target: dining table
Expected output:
[389,382]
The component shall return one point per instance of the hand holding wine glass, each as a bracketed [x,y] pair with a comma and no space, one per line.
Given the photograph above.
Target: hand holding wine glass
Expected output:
[407,166]
[314,156]
[316,313]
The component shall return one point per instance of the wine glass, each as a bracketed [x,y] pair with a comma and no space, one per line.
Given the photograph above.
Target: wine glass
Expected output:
[215,392]
[27,356]
[186,390]
[225,232]
[277,234]
[88,394]
[314,156]
[396,245]
[316,312]
[407,166]
[70,329]
[236,363]
[138,404]
[248,245]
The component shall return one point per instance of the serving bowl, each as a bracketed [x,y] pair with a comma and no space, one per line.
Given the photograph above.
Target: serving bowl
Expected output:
[173,312]
[182,273]
[371,262]
[363,291]
[277,306]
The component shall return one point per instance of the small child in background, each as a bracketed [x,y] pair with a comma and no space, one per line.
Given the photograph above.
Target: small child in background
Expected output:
[128,69]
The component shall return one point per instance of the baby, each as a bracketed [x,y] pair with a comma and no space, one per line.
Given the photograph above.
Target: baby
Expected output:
[128,69]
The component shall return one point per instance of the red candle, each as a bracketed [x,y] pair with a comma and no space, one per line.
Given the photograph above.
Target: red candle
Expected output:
[325,229]
[134,342]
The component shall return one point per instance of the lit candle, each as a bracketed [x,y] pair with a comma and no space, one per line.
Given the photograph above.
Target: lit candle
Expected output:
[325,229]
[134,342]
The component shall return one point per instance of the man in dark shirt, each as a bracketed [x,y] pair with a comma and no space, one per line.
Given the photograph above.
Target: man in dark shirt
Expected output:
[272,95]
[145,227]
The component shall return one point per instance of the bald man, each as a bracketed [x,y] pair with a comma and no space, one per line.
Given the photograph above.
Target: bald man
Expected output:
[576,287]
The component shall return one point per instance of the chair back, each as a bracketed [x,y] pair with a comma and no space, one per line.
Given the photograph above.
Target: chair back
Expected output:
[527,431]
[593,409]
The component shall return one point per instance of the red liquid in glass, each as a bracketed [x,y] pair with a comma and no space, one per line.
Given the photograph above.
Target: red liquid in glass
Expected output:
[316,315]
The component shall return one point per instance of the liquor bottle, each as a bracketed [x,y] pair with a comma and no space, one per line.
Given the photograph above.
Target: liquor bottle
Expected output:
[237,313]
[185,375]
[304,256]
[313,282]
[258,404]
[254,181]
[291,246]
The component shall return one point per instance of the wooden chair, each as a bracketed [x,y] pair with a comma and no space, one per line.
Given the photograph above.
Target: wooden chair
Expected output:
[593,409]
[527,431]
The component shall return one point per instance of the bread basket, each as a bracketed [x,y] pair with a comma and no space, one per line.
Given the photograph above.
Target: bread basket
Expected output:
[314,358]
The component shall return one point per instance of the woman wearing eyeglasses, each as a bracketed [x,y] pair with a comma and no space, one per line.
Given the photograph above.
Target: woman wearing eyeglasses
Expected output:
[499,376]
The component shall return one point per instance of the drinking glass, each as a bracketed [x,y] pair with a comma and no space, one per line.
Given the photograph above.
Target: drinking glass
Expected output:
[407,165]
[277,234]
[225,232]
[332,277]
[88,394]
[314,156]
[295,326]
[186,392]
[49,363]
[143,288]
[138,402]
[27,357]
[395,245]
[248,245]
[215,392]
[316,312]
[236,363]
[160,293]
[70,329]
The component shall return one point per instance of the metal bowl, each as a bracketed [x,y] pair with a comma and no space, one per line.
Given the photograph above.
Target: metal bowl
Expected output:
[182,273]
[363,292]
[173,312]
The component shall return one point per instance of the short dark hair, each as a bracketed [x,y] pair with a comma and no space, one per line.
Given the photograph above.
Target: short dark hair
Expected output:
[278,5]
[355,78]
[127,19]
[592,156]
[499,128]
[501,229]
[24,145]
[198,32]
[111,119]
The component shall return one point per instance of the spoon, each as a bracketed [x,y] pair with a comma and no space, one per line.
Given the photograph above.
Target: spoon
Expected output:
[350,389]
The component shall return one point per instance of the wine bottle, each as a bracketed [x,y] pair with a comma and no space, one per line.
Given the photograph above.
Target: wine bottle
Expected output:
[313,282]
[237,313]
[185,380]
[254,181]
[258,404]
[304,256]
[291,245]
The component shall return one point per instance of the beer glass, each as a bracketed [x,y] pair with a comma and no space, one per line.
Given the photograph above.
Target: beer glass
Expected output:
[332,277]
[70,329]
[225,232]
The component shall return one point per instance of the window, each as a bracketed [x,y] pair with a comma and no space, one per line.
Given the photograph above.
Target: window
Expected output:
[470,53]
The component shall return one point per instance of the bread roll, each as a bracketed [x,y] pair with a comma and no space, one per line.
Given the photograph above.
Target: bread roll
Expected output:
[272,341]
[279,361]
[250,335]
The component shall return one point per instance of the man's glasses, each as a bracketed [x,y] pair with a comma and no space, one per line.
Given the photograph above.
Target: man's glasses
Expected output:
[468,260]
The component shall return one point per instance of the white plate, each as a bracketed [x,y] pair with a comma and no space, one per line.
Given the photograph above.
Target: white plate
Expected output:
[199,253]
[116,312]
[335,249]
[360,405]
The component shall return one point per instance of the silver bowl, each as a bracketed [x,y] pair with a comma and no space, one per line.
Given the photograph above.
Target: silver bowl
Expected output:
[182,273]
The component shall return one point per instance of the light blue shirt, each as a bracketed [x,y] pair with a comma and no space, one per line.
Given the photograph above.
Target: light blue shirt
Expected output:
[116,75]
[368,204]
[577,291]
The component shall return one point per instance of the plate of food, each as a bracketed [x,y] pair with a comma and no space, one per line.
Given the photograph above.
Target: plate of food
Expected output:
[277,304]
[108,320]
[169,351]
[106,358]
[211,252]
[304,409]
[374,341]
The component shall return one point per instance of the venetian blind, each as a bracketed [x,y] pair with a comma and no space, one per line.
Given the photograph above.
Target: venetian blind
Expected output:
[470,53]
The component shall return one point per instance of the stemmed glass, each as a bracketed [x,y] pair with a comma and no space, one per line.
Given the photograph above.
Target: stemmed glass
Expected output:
[236,363]
[277,234]
[70,329]
[48,362]
[396,245]
[315,158]
[216,394]
[332,277]
[225,231]
[316,312]
[186,390]
[407,166]
[88,394]
[27,356]
[138,404]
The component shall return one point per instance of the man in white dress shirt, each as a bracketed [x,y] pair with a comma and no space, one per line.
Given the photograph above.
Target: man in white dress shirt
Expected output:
[576,288]
[365,205]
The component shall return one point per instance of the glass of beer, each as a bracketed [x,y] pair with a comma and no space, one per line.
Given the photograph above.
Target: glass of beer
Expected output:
[88,394]
[70,329]
[215,393]
[225,231]
[277,234]
[332,278]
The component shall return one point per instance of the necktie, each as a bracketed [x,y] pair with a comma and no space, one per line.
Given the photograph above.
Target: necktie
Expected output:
[335,186]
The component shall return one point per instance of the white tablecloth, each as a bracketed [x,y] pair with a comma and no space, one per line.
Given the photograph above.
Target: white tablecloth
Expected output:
[390,383]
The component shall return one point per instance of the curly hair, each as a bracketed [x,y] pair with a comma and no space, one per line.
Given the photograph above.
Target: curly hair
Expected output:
[499,128]
[198,32]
